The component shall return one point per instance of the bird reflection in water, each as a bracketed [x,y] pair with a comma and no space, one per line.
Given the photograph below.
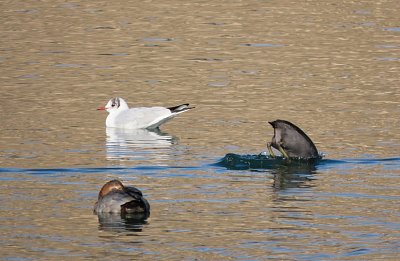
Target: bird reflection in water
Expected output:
[141,144]
[118,222]
[293,176]
[286,174]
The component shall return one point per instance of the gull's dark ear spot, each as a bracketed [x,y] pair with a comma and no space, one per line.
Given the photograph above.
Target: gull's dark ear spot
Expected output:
[115,102]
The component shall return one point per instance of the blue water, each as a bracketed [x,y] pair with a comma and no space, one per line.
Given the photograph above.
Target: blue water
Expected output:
[279,210]
[241,162]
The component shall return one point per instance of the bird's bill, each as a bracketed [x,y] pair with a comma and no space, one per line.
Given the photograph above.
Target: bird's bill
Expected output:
[102,108]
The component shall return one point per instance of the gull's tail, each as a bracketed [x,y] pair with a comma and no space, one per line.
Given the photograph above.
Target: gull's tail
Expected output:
[180,108]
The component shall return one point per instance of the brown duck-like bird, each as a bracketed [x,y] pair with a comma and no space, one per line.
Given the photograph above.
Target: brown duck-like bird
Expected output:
[114,197]
[291,141]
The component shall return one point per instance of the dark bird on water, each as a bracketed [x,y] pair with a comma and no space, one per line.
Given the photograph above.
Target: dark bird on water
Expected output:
[291,141]
[114,197]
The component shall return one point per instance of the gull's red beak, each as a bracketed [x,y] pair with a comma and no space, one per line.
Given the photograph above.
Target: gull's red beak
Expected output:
[102,108]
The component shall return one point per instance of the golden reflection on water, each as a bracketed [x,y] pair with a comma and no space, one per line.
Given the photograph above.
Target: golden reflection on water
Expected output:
[266,61]
[330,67]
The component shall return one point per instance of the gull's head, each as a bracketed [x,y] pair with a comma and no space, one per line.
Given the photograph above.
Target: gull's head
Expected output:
[115,104]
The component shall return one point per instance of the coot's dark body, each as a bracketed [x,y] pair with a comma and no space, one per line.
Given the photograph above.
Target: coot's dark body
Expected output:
[291,141]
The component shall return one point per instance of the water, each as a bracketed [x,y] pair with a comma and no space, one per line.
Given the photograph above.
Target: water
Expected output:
[339,210]
[331,68]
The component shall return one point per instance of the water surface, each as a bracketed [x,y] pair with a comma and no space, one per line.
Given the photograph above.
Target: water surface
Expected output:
[330,67]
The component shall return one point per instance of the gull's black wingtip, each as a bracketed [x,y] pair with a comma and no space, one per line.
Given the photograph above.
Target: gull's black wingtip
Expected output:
[180,108]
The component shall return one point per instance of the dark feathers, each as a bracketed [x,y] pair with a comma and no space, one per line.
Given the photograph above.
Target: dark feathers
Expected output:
[180,108]
[293,140]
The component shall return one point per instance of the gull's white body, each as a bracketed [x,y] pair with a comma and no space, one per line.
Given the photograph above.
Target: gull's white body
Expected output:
[121,116]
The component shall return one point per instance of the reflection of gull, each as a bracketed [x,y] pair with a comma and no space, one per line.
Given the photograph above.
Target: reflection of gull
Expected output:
[124,144]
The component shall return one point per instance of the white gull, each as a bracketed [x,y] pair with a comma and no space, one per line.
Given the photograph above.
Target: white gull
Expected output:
[121,116]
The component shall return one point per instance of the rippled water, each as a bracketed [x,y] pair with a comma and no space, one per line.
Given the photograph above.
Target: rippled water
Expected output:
[330,67]
[338,210]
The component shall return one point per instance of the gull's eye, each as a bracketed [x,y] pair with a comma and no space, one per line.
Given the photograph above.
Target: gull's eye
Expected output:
[114,102]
